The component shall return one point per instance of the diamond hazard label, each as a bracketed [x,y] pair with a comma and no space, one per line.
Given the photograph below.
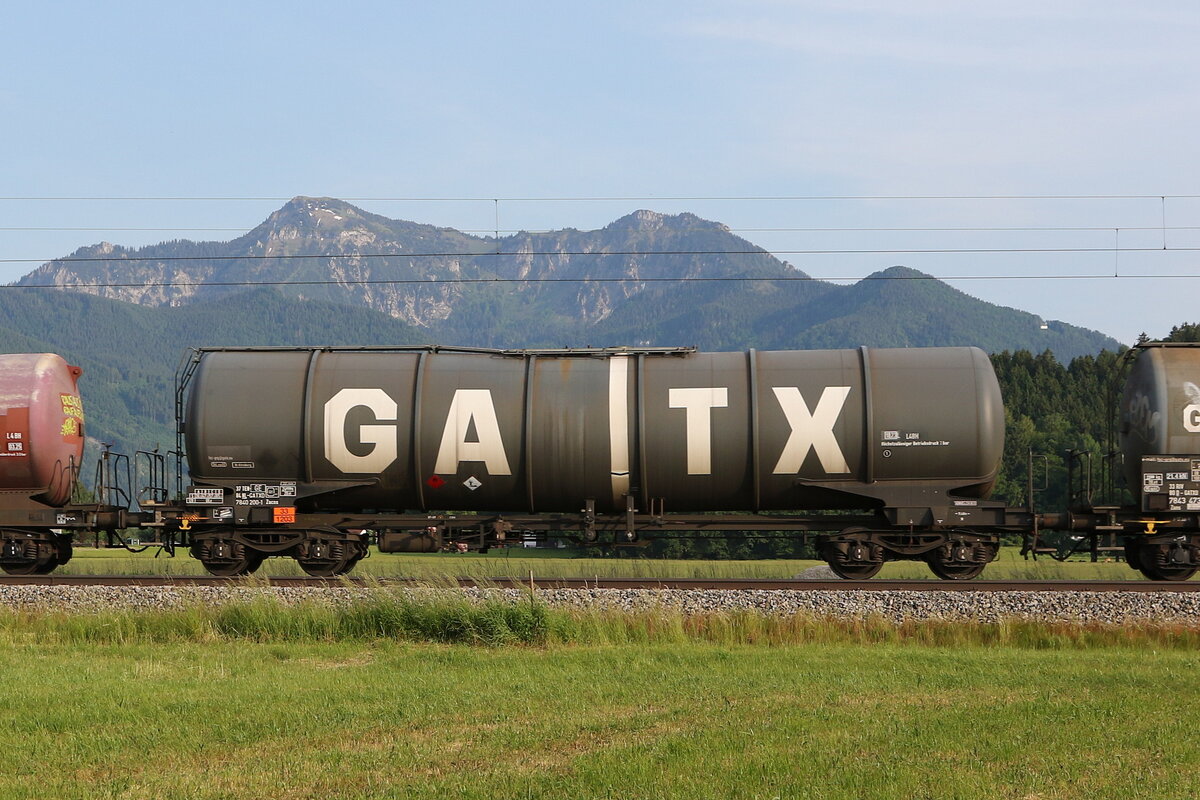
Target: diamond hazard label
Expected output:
[472,483]
[435,482]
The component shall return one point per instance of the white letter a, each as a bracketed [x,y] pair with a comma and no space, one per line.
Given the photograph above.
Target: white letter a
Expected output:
[471,405]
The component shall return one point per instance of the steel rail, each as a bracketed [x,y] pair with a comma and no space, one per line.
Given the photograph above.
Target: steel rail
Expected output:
[726,584]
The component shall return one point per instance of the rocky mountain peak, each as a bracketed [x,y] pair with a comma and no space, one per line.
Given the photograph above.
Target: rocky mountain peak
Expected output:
[311,212]
[644,218]
[627,282]
[646,221]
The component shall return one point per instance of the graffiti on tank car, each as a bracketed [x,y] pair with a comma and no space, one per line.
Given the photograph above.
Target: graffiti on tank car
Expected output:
[1142,421]
[72,406]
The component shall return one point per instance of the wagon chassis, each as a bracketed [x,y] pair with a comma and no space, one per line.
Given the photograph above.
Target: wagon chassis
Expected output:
[856,544]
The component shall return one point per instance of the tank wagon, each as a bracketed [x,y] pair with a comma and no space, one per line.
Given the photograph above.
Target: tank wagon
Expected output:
[41,451]
[1159,434]
[608,443]
[313,453]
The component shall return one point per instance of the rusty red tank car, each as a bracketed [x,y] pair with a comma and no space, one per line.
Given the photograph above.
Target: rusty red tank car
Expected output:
[41,428]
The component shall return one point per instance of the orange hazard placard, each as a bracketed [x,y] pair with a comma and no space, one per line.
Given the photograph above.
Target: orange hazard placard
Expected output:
[284,514]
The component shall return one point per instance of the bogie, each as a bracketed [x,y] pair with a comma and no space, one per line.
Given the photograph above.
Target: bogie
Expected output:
[1176,559]
[226,557]
[859,553]
[33,553]
[961,558]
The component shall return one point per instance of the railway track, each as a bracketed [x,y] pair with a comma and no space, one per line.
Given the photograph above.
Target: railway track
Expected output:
[729,584]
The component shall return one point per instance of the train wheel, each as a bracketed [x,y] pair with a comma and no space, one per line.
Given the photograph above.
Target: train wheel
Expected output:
[324,569]
[328,559]
[64,548]
[1133,555]
[225,558]
[246,565]
[852,554]
[1168,573]
[38,567]
[955,572]
[858,572]
[1160,562]
[43,560]
[960,559]
[330,569]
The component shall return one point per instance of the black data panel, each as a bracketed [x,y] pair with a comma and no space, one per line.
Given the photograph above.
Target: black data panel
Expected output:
[1170,483]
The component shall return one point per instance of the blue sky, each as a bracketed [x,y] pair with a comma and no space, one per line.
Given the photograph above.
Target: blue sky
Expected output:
[642,101]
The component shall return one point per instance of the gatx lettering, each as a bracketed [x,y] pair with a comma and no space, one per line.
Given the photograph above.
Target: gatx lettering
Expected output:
[382,438]
[469,409]
[474,410]
[811,430]
[698,404]
[1191,418]
[471,406]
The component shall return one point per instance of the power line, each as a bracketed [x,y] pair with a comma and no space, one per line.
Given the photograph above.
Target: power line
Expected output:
[599,253]
[136,230]
[954,229]
[963,229]
[625,279]
[613,198]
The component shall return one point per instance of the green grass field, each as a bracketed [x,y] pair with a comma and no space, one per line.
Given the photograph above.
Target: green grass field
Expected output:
[370,701]
[519,562]
[243,719]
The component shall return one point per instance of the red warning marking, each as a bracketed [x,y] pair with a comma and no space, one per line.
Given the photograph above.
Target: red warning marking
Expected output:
[435,482]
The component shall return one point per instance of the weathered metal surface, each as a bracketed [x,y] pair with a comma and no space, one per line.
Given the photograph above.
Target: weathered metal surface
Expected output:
[41,428]
[505,431]
[1160,416]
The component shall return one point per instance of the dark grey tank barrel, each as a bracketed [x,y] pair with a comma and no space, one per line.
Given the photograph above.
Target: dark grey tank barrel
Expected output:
[1159,417]
[394,429]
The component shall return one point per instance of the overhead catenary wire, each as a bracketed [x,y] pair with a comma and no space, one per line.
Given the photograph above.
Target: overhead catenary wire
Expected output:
[602,198]
[594,254]
[624,279]
[512,231]
[498,253]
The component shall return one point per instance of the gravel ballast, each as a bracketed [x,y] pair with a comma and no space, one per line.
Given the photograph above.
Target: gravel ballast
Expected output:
[899,606]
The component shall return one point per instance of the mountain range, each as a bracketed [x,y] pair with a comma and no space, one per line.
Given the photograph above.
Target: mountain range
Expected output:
[322,271]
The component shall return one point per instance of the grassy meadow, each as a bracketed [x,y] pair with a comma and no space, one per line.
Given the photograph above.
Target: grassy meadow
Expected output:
[431,698]
[425,695]
[519,562]
[386,720]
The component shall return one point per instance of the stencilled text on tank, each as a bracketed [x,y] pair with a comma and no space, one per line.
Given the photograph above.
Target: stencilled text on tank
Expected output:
[1191,411]
[470,410]
[471,431]
[901,439]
